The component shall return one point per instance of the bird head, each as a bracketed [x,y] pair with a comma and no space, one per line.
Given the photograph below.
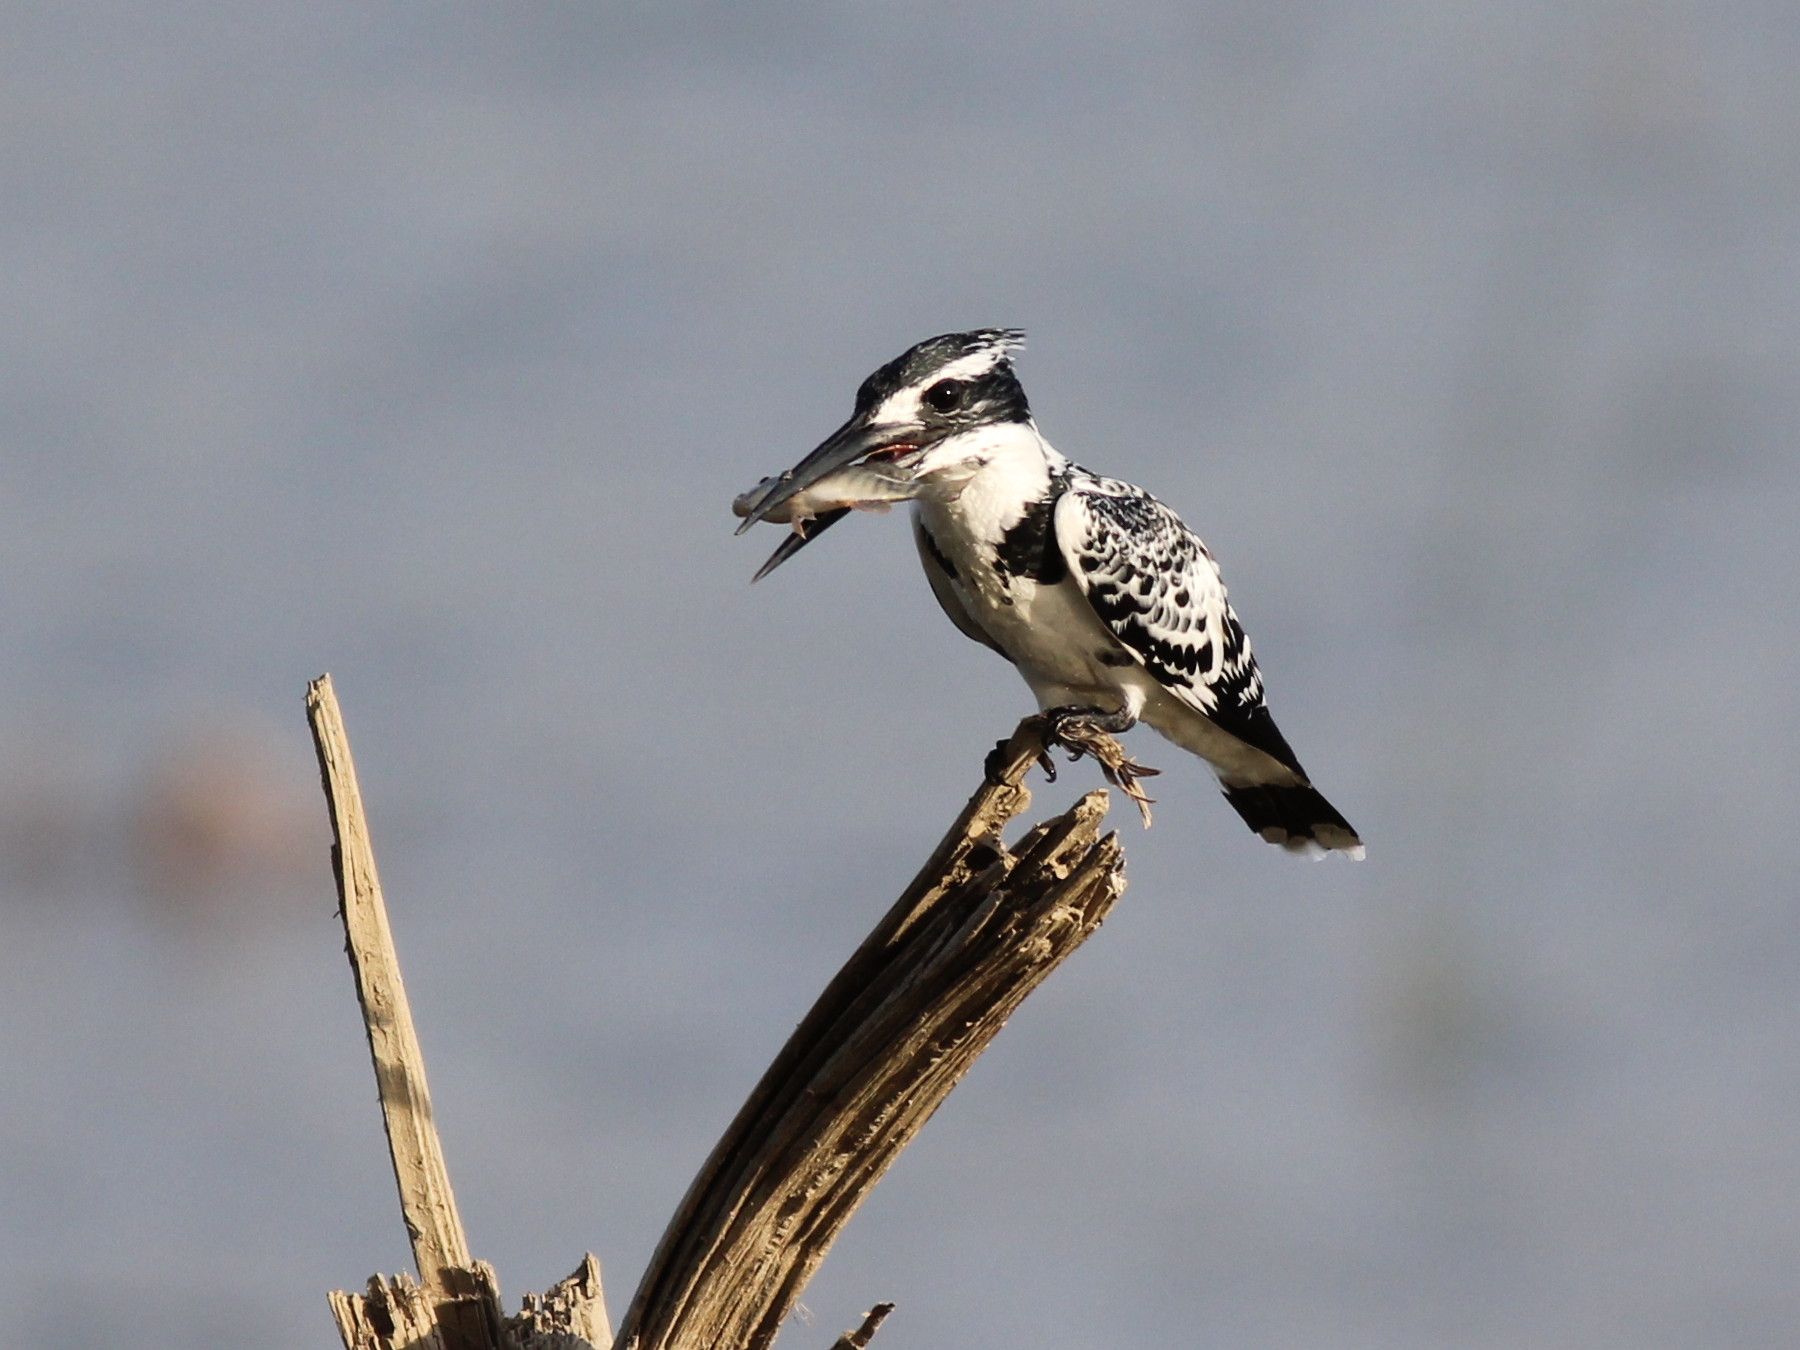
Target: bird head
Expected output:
[913,418]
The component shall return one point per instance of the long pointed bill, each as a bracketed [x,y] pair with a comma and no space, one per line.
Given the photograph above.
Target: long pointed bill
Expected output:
[798,540]
[849,443]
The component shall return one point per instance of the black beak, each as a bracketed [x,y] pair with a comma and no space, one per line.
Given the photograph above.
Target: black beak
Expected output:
[798,540]
[845,446]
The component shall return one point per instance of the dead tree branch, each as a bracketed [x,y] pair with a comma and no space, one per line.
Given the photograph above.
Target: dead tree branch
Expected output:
[456,1304]
[977,930]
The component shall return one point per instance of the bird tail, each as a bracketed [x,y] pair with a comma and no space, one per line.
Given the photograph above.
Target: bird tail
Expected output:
[1296,817]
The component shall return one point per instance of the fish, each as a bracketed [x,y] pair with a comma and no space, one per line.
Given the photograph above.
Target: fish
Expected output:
[859,487]
[818,506]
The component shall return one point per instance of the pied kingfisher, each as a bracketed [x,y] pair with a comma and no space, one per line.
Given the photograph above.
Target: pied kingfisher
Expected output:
[1111,608]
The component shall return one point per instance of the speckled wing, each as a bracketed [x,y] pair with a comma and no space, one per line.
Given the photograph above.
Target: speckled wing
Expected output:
[1154,585]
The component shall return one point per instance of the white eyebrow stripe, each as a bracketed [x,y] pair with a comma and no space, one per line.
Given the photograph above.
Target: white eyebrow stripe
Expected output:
[972,366]
[899,406]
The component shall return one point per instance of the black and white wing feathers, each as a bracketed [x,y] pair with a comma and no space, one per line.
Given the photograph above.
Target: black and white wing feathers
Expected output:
[1157,589]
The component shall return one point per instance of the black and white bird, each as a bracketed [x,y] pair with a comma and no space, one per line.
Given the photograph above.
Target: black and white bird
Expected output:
[1110,607]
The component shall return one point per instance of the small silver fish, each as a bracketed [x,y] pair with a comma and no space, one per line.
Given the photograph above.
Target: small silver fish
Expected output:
[863,487]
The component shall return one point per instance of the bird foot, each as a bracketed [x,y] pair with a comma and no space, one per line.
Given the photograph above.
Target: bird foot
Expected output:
[1081,731]
[997,767]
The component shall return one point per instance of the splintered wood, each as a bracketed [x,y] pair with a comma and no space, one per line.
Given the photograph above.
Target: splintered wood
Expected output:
[419,1171]
[979,928]
[456,1303]
[396,1314]
[860,1338]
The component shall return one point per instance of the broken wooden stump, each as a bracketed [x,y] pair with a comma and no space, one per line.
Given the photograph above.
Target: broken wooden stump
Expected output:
[979,928]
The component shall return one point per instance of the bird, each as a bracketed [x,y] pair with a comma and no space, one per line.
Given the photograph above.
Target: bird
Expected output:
[1111,608]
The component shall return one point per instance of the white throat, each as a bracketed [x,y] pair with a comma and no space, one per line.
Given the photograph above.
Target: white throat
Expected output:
[983,480]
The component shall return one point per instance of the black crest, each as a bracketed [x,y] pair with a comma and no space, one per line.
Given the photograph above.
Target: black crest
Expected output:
[993,395]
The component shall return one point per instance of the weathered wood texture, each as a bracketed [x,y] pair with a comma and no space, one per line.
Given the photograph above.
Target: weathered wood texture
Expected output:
[860,1338]
[978,929]
[465,1310]
[396,1314]
[903,1021]
[570,1316]
[424,1182]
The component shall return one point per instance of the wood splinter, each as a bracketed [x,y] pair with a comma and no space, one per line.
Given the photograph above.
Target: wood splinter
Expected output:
[456,1303]
[859,1339]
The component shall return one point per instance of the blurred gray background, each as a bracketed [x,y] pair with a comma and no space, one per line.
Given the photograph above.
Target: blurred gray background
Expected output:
[428,344]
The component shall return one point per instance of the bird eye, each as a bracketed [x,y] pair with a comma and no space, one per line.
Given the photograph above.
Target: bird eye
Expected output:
[946,395]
